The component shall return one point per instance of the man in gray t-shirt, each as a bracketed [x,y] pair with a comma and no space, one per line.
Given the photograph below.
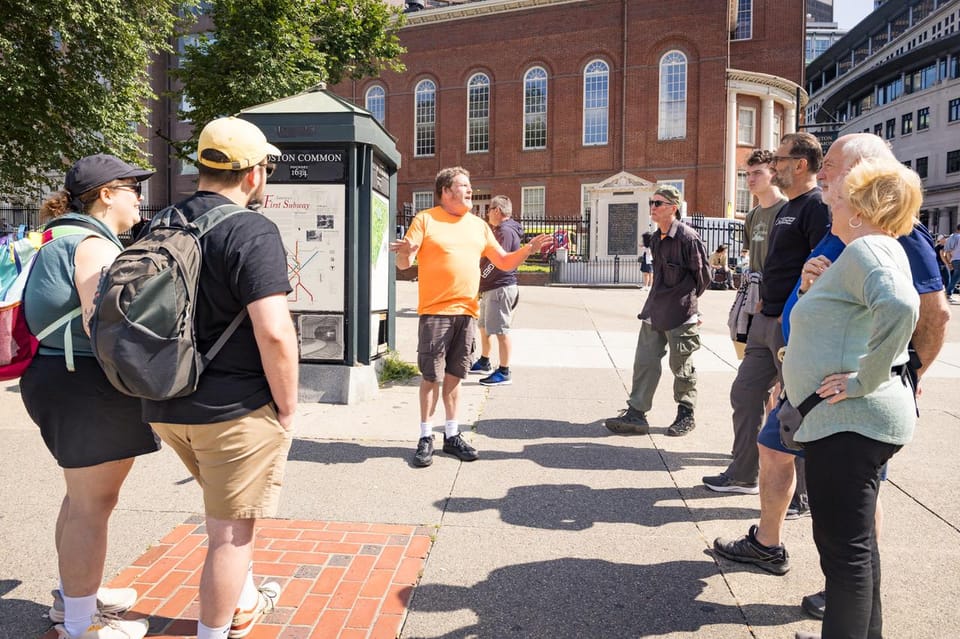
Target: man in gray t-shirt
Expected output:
[759,220]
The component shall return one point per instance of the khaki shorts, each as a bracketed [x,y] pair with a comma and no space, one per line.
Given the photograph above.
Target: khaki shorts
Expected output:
[445,346]
[238,463]
[496,309]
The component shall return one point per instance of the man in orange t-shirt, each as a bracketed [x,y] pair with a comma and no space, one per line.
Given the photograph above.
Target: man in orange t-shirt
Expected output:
[448,242]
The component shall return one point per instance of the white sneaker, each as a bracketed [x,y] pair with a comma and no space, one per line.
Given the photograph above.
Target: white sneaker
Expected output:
[108,627]
[244,620]
[112,601]
[952,299]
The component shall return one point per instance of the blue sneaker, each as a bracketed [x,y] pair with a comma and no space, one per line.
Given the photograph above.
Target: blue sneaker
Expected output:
[481,368]
[498,378]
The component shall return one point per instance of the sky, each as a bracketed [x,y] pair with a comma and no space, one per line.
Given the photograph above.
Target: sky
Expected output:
[847,13]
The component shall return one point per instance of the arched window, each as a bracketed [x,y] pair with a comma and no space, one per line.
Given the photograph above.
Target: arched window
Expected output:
[425,124]
[535,109]
[673,96]
[478,113]
[376,102]
[596,99]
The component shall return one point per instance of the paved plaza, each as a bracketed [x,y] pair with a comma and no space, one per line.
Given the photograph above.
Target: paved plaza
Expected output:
[560,530]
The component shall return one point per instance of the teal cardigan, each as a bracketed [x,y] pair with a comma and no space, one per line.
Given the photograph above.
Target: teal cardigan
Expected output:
[857,317]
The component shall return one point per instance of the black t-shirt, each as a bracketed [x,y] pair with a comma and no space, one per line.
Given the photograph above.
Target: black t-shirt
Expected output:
[798,227]
[243,261]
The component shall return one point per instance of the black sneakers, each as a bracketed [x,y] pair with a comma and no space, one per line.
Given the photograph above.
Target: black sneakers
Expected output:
[459,448]
[683,424]
[747,550]
[629,421]
[424,455]
[815,605]
[797,509]
[724,483]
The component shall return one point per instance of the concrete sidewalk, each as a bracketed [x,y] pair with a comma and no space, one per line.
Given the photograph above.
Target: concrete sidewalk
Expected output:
[561,529]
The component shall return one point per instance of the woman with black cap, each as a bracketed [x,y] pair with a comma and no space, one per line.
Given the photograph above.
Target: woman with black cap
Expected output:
[92,430]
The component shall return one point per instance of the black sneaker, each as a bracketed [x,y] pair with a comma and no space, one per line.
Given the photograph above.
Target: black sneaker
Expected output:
[683,424]
[424,455]
[724,483]
[629,421]
[815,605]
[459,448]
[747,550]
[797,509]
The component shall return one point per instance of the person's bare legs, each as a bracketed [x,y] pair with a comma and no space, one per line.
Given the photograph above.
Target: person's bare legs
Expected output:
[229,552]
[485,342]
[451,396]
[81,531]
[429,395]
[777,481]
[505,346]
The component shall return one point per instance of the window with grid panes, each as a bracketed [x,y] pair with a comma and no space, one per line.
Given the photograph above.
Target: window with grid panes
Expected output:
[376,102]
[673,96]
[535,109]
[923,118]
[596,97]
[746,126]
[953,110]
[422,200]
[425,116]
[906,123]
[953,161]
[921,167]
[478,114]
[744,29]
[533,202]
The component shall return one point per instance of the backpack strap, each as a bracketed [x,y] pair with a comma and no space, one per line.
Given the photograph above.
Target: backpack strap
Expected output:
[205,223]
[66,318]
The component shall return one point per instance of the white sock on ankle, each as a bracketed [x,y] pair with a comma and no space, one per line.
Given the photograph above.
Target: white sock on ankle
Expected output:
[451,428]
[426,429]
[249,595]
[78,613]
[205,632]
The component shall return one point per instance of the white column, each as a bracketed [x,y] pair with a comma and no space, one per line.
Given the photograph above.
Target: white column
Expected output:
[767,140]
[730,180]
[790,114]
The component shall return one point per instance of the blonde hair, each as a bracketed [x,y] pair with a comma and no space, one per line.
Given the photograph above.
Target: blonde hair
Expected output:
[886,193]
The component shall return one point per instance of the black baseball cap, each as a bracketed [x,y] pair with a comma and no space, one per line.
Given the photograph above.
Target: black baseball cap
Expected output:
[96,170]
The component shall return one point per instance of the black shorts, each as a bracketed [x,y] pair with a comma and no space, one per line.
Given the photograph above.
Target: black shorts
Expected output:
[84,420]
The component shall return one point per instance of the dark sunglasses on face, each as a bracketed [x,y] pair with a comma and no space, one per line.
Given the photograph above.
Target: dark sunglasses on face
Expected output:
[269,168]
[136,188]
[658,203]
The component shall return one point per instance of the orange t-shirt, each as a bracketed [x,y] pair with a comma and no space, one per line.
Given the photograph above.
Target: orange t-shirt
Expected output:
[449,260]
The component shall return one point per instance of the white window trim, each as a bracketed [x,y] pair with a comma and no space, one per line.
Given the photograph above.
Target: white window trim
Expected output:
[661,136]
[424,195]
[606,115]
[737,23]
[416,132]
[523,200]
[383,96]
[489,102]
[546,112]
[753,126]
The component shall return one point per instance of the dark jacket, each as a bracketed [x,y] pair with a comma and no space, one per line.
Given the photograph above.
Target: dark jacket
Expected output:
[510,235]
[681,273]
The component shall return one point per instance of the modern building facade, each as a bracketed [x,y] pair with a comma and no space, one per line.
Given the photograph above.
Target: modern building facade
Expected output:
[897,74]
[546,100]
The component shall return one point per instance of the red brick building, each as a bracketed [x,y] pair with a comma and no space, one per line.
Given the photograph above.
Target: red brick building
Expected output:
[541,99]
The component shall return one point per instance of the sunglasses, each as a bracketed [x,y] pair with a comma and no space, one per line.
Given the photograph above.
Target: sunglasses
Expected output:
[269,168]
[781,158]
[658,203]
[136,188]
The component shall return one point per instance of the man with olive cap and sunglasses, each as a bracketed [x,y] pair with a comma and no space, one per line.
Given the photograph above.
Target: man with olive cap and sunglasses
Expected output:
[670,318]
[234,433]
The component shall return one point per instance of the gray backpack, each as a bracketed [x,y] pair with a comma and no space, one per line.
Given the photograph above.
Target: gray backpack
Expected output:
[142,329]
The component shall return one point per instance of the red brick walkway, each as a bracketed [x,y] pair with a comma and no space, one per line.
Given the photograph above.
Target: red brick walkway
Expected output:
[340,580]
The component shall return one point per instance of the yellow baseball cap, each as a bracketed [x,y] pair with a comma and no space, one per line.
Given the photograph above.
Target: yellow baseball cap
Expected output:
[243,144]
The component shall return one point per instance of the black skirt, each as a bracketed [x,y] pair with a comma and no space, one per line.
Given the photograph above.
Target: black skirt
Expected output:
[83,419]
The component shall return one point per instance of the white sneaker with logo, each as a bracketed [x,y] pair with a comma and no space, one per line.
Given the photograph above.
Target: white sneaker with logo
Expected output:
[108,627]
[111,601]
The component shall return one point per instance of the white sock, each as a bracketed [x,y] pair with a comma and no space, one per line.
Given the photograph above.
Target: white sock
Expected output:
[426,429]
[451,428]
[205,632]
[249,596]
[78,613]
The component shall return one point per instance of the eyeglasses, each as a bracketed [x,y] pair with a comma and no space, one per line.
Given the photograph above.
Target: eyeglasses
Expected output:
[658,203]
[781,158]
[269,168]
[136,188]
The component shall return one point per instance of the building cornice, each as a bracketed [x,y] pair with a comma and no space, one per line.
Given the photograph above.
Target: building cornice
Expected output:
[477,9]
[785,89]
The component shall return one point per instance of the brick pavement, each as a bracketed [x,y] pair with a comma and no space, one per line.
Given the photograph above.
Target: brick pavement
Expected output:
[340,580]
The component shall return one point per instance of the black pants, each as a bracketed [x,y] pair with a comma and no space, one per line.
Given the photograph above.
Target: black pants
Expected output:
[843,479]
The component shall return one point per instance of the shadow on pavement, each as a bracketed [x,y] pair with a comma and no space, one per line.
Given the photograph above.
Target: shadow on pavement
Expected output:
[579,507]
[610,600]
[18,617]
[586,456]
[337,452]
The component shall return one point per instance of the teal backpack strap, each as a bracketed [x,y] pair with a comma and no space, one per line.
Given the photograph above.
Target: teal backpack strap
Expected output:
[66,318]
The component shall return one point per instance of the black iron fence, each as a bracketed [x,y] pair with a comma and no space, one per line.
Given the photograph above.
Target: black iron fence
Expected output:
[13,218]
[600,272]
[715,231]
[571,232]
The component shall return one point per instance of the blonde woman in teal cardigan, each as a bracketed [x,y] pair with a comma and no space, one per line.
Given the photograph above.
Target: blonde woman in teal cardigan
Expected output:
[848,344]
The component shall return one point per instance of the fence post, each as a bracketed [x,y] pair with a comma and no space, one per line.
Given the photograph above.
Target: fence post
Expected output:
[616,269]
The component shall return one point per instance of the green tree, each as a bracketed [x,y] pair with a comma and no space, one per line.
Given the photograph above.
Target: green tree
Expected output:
[262,50]
[74,78]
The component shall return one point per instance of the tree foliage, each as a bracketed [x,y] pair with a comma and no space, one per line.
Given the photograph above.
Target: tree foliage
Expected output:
[262,50]
[75,81]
